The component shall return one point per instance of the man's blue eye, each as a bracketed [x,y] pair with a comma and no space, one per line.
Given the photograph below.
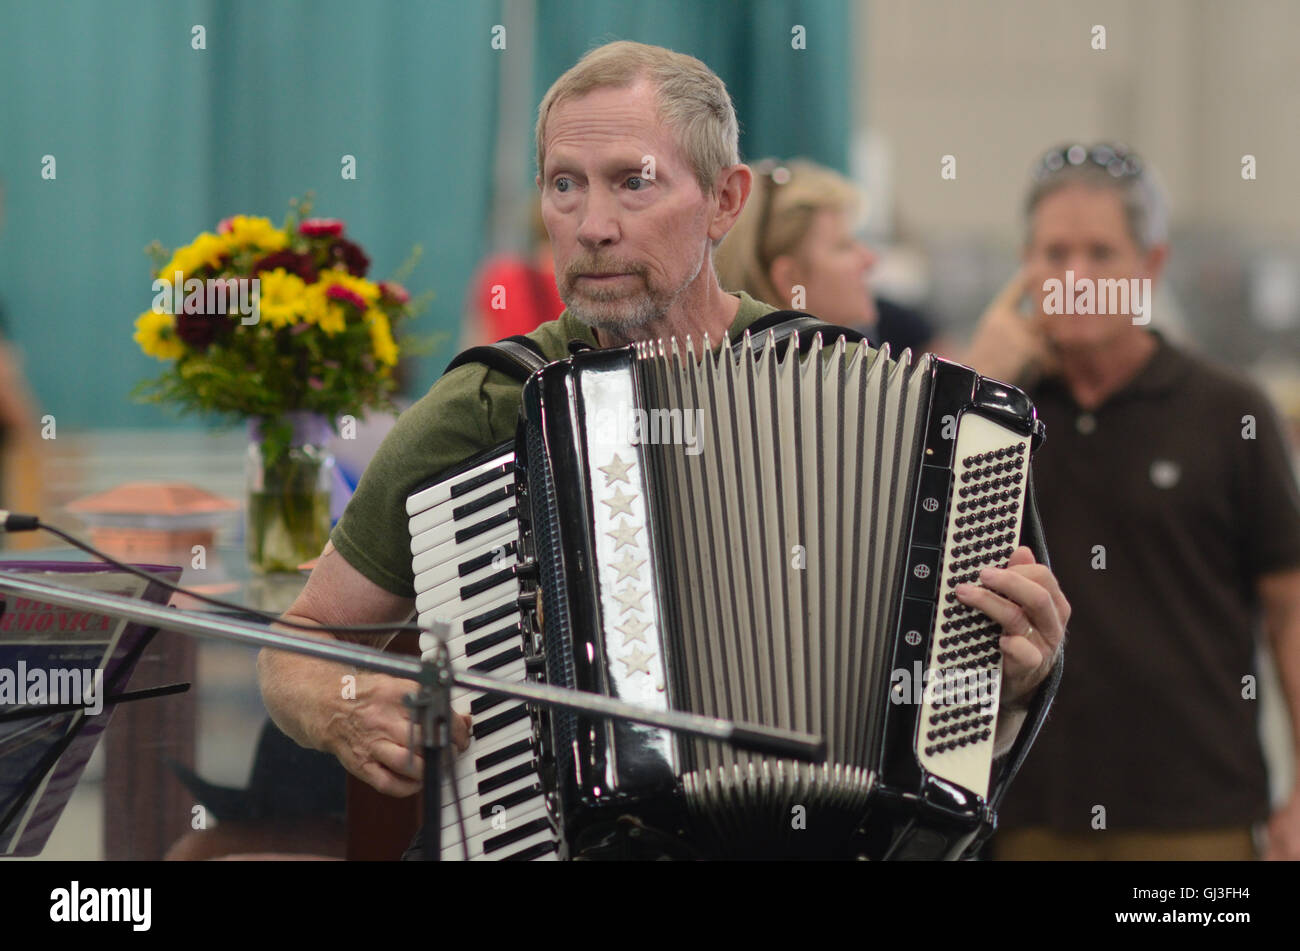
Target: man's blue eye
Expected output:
[560,182]
[637,186]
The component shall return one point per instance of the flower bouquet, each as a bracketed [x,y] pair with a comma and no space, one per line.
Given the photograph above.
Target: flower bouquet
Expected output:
[281,328]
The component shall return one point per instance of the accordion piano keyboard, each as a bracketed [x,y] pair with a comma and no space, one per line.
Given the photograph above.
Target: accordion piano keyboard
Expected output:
[463,542]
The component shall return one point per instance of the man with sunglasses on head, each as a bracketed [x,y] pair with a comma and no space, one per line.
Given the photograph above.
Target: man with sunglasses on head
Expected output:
[1173,520]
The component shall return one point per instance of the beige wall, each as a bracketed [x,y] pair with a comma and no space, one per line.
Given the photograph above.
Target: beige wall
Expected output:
[1191,84]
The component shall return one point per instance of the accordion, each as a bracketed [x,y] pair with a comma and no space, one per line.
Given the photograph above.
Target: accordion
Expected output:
[770,533]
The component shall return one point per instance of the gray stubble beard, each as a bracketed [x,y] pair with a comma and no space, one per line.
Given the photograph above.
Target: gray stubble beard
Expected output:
[646,310]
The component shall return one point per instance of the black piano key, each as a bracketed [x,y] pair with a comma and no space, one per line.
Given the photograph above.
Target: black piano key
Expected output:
[483,478]
[500,721]
[516,798]
[498,661]
[487,584]
[487,617]
[505,777]
[486,702]
[485,559]
[498,842]
[480,644]
[487,500]
[496,757]
[504,518]
[532,852]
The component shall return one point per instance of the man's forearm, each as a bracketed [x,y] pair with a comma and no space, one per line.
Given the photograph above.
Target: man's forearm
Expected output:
[297,689]
[291,687]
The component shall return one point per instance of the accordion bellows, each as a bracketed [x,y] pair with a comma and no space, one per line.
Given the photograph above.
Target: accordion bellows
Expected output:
[783,542]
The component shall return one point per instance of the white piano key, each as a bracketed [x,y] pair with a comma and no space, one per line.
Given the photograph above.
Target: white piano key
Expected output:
[443,516]
[441,493]
[441,539]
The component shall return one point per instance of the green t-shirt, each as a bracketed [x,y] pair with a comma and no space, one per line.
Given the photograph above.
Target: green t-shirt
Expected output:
[467,411]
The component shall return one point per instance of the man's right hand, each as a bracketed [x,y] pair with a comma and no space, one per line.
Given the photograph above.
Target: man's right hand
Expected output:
[370,732]
[357,716]
[1007,345]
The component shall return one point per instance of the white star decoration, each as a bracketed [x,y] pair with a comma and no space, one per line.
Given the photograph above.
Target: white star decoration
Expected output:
[625,534]
[620,503]
[636,661]
[630,597]
[616,471]
[627,567]
[633,629]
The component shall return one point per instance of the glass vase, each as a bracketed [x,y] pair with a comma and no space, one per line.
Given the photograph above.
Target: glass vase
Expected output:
[288,515]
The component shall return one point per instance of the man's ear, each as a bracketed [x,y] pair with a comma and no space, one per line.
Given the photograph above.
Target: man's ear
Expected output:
[734,184]
[1154,262]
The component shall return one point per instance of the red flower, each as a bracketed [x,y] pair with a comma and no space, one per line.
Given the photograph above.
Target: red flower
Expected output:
[200,330]
[300,264]
[317,227]
[223,226]
[340,293]
[394,292]
[351,256]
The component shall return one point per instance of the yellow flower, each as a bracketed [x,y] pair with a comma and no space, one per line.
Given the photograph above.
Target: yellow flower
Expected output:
[320,310]
[207,249]
[368,290]
[381,337]
[283,297]
[156,335]
[247,231]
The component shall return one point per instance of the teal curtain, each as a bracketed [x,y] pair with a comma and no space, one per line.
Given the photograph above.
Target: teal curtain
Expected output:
[154,139]
[790,102]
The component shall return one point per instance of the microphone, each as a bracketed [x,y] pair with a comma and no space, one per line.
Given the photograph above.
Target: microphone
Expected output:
[12,522]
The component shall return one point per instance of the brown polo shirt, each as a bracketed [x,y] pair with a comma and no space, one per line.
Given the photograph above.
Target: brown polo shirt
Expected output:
[1160,515]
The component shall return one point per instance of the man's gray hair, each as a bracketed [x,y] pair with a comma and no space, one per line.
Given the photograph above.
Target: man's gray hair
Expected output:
[1145,206]
[692,100]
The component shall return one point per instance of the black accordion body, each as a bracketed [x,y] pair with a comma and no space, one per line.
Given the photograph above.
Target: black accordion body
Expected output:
[770,533]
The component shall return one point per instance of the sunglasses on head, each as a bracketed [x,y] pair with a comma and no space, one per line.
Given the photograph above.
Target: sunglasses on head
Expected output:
[1115,159]
[776,175]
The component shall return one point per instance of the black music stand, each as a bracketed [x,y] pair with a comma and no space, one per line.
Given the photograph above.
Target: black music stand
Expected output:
[31,752]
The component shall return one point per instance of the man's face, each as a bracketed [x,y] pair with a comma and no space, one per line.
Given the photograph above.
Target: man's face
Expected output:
[626,245]
[1082,228]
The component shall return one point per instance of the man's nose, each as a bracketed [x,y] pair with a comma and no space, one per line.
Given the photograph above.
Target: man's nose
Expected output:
[599,223]
[868,257]
[1081,263]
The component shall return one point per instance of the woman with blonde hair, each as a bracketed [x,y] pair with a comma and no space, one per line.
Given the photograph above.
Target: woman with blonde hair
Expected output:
[794,247]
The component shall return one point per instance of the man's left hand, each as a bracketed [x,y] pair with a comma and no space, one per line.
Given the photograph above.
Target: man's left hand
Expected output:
[1026,600]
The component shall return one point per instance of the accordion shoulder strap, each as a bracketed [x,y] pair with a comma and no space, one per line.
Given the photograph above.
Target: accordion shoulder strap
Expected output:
[517,357]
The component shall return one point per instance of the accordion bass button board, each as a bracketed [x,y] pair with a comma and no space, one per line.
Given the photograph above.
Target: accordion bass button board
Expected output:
[766,533]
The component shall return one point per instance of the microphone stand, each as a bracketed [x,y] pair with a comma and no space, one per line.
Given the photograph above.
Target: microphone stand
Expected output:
[432,704]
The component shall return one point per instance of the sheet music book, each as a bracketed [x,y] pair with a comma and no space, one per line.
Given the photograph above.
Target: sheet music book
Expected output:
[52,656]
